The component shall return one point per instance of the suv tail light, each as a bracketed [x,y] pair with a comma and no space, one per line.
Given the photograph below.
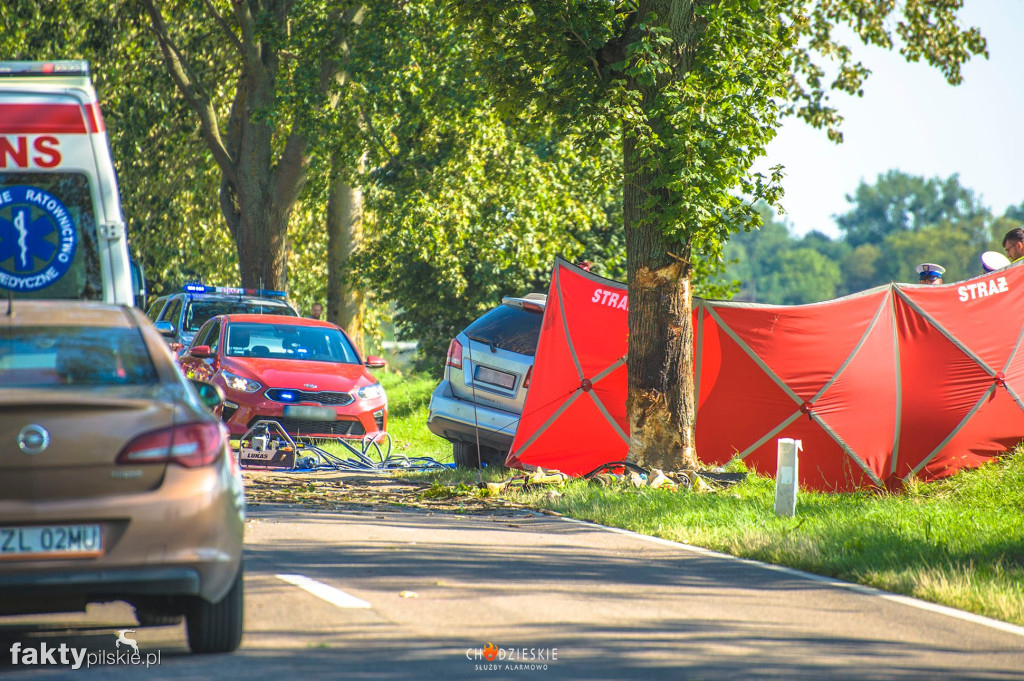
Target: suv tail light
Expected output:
[189,445]
[454,359]
[529,374]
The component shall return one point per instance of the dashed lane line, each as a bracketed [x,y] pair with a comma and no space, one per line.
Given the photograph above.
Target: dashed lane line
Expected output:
[325,592]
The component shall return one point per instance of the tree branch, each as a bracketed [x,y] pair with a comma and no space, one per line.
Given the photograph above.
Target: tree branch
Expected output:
[247,27]
[375,135]
[583,44]
[222,22]
[235,120]
[190,89]
[290,173]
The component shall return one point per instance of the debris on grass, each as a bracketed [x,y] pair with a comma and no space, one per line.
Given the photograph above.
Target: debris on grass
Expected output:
[440,491]
[613,475]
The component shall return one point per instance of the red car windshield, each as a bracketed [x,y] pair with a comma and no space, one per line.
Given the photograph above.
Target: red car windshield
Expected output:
[288,341]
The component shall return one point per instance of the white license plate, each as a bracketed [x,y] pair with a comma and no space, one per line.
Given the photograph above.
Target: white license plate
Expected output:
[494,377]
[57,541]
[299,411]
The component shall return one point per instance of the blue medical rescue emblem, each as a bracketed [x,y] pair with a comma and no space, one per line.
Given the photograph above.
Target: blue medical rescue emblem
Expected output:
[37,239]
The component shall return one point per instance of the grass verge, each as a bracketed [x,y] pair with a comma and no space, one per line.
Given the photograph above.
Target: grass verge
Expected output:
[408,397]
[958,542]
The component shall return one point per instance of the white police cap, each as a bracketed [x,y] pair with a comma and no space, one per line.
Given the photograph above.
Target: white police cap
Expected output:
[930,269]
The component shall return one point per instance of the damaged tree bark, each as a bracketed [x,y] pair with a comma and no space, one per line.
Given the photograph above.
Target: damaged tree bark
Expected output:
[660,405]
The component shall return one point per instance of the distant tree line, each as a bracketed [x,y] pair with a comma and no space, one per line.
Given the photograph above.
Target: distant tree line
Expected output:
[892,225]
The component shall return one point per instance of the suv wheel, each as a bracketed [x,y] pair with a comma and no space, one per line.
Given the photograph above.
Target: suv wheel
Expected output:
[464,454]
[217,627]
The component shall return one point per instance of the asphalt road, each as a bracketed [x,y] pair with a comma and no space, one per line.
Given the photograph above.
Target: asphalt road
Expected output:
[407,594]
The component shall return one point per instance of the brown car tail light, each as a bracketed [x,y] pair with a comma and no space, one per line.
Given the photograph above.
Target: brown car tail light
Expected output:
[529,375]
[454,359]
[189,445]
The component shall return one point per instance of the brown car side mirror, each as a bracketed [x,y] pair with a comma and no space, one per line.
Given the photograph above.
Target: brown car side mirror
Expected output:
[209,394]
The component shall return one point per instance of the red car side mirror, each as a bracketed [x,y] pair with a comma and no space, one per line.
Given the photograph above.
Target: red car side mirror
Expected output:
[201,351]
[375,362]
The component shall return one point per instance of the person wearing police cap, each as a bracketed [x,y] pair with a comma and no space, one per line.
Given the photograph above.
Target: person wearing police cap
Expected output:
[930,273]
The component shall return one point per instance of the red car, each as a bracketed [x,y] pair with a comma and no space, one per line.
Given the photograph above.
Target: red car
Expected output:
[303,373]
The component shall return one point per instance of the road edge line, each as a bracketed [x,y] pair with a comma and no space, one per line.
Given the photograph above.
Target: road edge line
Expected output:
[955,613]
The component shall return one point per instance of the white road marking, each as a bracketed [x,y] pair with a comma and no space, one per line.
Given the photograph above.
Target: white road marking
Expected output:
[859,588]
[323,591]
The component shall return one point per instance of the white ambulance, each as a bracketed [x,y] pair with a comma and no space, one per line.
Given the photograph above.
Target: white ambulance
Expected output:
[62,233]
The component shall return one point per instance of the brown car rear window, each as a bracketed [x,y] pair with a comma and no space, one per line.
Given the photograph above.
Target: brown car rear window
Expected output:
[74,356]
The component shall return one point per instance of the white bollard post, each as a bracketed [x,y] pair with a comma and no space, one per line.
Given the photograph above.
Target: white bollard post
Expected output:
[787,476]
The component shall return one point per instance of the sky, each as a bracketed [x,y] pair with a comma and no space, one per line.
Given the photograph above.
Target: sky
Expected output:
[912,120]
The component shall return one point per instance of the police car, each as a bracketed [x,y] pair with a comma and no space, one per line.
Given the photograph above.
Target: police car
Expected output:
[178,316]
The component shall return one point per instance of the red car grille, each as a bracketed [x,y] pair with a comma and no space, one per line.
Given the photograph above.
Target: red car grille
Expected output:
[330,398]
[300,427]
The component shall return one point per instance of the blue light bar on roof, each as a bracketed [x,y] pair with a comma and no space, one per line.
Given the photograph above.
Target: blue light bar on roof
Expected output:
[234,291]
[66,67]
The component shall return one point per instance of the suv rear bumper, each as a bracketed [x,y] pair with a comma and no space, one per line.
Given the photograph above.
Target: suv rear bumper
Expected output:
[455,420]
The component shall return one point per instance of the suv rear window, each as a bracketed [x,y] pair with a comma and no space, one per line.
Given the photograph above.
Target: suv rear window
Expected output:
[200,311]
[509,328]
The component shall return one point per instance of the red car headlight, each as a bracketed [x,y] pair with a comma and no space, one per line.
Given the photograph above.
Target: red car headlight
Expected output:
[370,392]
[240,383]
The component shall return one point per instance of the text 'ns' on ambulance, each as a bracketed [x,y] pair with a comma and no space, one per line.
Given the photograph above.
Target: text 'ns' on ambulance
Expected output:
[62,232]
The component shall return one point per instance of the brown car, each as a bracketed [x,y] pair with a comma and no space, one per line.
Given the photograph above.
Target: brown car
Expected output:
[116,482]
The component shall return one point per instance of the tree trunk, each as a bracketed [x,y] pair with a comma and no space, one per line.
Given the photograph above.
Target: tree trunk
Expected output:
[344,233]
[260,242]
[660,404]
[259,228]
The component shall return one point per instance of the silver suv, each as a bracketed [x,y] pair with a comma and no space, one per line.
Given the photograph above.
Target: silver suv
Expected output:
[477,405]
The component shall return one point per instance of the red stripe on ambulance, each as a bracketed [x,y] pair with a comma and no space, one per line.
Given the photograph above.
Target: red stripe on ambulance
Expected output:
[54,119]
[95,118]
